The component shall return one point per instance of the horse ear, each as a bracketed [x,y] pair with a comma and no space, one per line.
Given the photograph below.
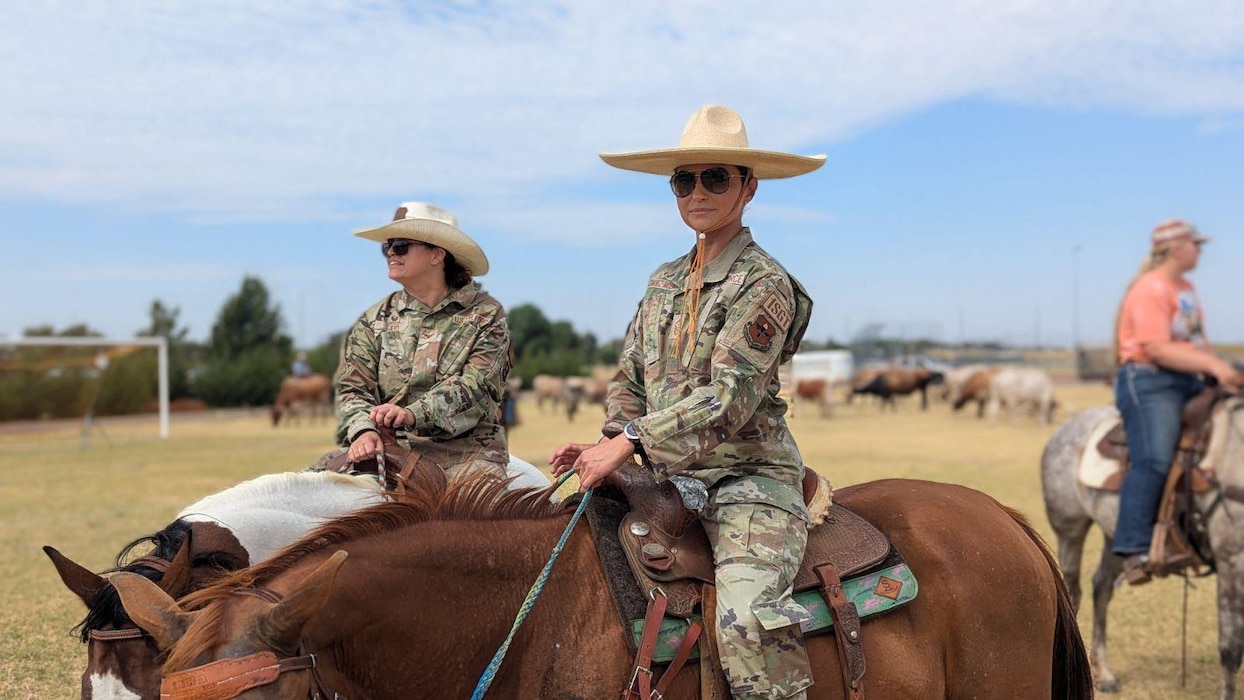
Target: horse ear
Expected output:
[283,627]
[151,608]
[84,583]
[176,578]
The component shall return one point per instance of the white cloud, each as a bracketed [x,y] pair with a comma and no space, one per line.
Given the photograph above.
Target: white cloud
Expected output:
[289,111]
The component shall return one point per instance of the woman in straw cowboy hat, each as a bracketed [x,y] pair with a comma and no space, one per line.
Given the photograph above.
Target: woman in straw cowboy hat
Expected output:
[1161,350]
[432,357]
[696,395]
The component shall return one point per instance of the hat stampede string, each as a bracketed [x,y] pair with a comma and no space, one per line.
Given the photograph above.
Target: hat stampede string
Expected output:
[695,281]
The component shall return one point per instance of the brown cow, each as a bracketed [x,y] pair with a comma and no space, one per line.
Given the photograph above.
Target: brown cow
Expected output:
[891,381]
[975,388]
[818,391]
[548,388]
[313,393]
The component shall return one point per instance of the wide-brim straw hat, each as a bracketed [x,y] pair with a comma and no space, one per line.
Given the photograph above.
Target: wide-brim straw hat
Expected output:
[715,134]
[420,221]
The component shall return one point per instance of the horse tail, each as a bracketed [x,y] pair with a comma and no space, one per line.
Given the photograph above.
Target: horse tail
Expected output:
[1071,674]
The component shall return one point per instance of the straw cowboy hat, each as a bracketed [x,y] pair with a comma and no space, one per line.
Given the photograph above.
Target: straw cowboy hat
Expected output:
[715,135]
[420,221]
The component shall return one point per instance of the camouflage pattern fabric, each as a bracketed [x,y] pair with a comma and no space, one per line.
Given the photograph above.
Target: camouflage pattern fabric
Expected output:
[757,550]
[711,411]
[447,364]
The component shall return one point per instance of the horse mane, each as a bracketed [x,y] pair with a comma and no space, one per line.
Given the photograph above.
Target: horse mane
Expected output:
[471,495]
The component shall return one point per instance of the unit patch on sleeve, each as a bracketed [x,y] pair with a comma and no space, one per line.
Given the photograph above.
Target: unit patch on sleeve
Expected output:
[760,332]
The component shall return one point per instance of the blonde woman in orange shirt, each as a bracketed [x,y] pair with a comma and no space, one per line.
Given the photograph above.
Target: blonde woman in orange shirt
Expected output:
[1162,352]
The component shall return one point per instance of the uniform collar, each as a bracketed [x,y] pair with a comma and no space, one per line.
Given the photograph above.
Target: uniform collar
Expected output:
[463,297]
[716,270]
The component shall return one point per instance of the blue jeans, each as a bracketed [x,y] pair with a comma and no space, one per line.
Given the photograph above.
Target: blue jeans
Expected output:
[1150,400]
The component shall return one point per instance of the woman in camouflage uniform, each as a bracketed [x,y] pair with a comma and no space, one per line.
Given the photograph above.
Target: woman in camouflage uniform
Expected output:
[432,357]
[697,396]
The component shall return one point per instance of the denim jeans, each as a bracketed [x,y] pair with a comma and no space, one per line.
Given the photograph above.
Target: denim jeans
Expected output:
[1150,400]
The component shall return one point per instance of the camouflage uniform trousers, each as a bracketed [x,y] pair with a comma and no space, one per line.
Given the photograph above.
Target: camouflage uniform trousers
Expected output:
[757,549]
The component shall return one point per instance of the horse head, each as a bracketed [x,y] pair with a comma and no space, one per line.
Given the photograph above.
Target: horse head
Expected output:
[243,639]
[122,660]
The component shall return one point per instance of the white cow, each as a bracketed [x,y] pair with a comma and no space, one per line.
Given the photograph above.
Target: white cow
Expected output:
[1022,387]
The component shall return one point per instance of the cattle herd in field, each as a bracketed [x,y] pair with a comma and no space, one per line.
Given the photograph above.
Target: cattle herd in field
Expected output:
[1018,392]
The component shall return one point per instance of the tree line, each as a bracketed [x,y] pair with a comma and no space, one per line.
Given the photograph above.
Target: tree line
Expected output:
[242,362]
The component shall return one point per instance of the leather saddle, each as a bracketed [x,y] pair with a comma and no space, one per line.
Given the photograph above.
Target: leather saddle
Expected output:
[1195,430]
[666,546]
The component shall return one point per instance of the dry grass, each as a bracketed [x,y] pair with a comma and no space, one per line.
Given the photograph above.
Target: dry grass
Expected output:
[89,503]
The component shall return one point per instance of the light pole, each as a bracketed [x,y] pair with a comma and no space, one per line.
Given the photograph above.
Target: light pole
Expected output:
[1075,296]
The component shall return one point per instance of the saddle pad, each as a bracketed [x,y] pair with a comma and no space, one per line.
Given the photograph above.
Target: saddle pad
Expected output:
[1095,467]
[873,594]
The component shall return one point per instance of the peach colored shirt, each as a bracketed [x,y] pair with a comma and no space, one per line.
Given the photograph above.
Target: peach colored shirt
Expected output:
[1157,309]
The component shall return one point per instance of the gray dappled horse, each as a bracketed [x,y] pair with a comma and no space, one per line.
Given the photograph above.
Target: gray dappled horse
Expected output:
[1073,509]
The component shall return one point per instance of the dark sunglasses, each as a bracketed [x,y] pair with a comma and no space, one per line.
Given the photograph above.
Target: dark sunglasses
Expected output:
[715,180]
[399,246]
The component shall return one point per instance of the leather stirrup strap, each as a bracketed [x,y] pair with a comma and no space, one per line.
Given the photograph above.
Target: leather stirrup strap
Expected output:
[694,629]
[712,678]
[640,685]
[846,631]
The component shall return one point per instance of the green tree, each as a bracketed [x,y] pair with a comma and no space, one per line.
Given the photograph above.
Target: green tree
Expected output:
[248,352]
[181,352]
[530,331]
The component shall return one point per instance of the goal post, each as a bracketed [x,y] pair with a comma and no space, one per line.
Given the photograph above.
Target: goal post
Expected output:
[160,343]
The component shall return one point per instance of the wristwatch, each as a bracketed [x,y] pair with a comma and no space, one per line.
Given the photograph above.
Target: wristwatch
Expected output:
[632,434]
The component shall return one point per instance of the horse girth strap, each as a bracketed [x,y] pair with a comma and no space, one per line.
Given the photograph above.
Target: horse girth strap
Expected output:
[229,678]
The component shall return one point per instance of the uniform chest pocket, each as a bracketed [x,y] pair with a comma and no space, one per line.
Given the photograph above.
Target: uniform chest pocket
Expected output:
[657,318]
[453,347]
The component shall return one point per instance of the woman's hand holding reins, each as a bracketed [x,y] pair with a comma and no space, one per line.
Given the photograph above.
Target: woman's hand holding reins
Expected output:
[365,446]
[592,462]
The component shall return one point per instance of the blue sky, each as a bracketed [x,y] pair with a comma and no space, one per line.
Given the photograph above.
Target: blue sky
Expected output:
[993,167]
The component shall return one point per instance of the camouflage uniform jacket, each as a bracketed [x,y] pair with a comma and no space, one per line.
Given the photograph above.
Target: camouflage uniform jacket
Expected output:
[712,411]
[447,364]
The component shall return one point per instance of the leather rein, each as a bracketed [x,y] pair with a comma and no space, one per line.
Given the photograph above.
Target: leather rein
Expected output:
[229,678]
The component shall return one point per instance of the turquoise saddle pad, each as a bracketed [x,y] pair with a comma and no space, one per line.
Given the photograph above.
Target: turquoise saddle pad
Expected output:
[872,593]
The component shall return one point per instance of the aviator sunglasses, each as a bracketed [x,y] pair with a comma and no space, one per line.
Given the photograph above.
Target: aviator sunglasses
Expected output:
[399,246]
[715,180]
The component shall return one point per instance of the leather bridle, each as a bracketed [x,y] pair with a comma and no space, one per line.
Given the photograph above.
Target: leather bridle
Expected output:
[228,678]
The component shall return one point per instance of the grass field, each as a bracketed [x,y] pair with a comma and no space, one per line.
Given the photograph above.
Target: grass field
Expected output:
[89,503]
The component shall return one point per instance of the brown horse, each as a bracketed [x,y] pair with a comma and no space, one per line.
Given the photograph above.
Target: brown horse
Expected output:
[431,585]
[313,393]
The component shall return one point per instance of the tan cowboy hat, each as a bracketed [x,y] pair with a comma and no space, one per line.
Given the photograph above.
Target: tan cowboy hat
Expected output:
[420,221]
[715,135]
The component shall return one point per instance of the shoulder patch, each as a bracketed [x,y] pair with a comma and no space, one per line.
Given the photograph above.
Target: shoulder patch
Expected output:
[759,332]
[779,312]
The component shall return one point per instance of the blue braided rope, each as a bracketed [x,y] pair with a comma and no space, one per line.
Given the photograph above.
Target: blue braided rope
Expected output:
[536,588]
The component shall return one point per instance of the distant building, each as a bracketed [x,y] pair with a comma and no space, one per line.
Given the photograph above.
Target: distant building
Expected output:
[833,365]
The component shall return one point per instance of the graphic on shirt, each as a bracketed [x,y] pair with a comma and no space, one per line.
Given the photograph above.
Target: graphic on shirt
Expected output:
[1186,325]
